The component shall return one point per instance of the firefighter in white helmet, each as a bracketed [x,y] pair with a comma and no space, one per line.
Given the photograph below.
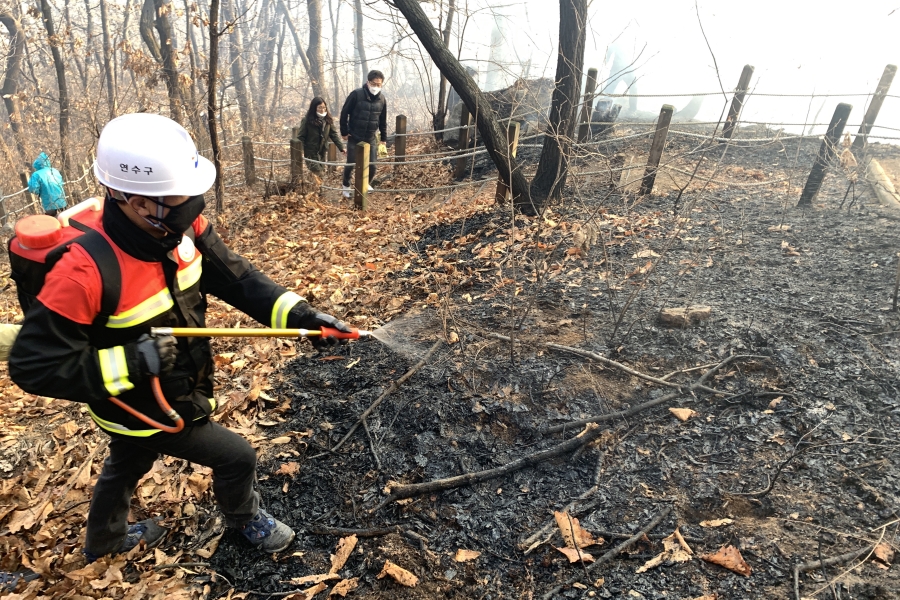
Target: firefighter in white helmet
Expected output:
[169,258]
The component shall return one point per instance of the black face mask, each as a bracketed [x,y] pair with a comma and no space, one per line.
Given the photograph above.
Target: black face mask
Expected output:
[180,217]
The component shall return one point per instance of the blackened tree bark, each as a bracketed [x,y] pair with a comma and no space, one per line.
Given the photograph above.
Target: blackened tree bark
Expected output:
[553,167]
[314,50]
[488,127]
[440,116]
[170,67]
[211,103]
[360,43]
[238,73]
[107,62]
[60,66]
[10,88]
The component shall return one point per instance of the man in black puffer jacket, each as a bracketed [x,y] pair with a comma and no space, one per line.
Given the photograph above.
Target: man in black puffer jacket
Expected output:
[364,114]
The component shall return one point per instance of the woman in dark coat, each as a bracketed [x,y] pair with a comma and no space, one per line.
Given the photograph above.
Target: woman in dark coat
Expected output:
[316,129]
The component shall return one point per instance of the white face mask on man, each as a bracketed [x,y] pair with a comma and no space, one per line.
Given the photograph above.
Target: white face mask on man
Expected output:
[374,89]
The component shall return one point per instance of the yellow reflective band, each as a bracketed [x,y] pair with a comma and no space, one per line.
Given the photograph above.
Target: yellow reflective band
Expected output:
[121,429]
[146,310]
[212,403]
[282,307]
[190,275]
[114,369]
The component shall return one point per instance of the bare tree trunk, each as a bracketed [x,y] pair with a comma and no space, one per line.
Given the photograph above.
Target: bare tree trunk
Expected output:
[335,20]
[70,34]
[191,43]
[553,168]
[290,23]
[148,19]
[242,17]
[314,50]
[238,75]
[269,31]
[90,54]
[211,103]
[279,75]
[107,62]
[53,42]
[360,45]
[488,127]
[10,88]
[439,118]
[170,68]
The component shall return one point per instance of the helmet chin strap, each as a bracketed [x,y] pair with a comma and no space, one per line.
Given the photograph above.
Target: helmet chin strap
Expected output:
[155,222]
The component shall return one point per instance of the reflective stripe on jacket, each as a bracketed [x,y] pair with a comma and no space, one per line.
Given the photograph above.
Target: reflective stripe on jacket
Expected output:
[61,353]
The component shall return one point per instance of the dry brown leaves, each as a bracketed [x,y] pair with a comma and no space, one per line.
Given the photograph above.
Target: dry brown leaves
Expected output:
[675,550]
[572,532]
[730,558]
[398,574]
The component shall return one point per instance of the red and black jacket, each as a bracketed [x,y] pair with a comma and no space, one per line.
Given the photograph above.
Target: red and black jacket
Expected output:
[63,350]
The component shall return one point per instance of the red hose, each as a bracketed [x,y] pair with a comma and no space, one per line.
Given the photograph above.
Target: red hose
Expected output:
[163,404]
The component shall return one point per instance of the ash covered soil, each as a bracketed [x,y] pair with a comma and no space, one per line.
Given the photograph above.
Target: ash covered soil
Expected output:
[799,449]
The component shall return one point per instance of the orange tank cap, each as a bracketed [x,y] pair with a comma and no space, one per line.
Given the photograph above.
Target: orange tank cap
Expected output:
[38,231]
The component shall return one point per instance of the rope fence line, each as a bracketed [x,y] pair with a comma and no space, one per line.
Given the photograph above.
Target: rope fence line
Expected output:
[748,93]
[14,194]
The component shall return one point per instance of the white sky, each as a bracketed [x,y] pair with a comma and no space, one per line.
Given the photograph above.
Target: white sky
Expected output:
[796,46]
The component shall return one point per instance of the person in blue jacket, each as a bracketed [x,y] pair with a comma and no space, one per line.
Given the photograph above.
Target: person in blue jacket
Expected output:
[47,183]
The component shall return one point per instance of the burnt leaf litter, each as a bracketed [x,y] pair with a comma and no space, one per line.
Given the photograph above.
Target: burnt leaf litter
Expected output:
[792,462]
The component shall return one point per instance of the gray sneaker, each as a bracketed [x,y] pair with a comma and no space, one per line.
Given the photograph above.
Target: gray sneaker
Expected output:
[146,531]
[268,533]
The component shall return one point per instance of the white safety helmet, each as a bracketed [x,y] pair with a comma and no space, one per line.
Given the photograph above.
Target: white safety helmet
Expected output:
[151,155]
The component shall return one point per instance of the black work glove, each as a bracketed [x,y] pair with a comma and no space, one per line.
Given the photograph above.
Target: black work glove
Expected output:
[313,319]
[156,354]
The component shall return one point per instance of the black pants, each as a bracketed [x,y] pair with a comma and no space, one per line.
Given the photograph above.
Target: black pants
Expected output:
[230,456]
[351,159]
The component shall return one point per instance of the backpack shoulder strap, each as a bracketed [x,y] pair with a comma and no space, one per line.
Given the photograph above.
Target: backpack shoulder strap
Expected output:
[99,249]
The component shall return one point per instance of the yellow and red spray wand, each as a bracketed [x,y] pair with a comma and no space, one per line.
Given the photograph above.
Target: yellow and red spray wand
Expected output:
[239,332]
[221,332]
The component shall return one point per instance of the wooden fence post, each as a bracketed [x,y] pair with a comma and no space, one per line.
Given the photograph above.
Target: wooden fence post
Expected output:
[825,154]
[737,102]
[361,191]
[884,85]
[463,145]
[656,148]
[35,204]
[400,139]
[584,129]
[4,217]
[512,138]
[249,161]
[295,132]
[296,162]
[332,156]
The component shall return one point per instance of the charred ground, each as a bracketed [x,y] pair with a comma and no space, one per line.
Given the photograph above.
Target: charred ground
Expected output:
[803,295]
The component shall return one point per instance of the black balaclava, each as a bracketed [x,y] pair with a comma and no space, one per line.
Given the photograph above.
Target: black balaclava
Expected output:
[141,244]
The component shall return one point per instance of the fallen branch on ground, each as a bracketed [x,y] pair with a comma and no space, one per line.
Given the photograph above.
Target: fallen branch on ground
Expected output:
[625,369]
[399,492]
[699,385]
[825,563]
[393,388]
[615,551]
[345,531]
